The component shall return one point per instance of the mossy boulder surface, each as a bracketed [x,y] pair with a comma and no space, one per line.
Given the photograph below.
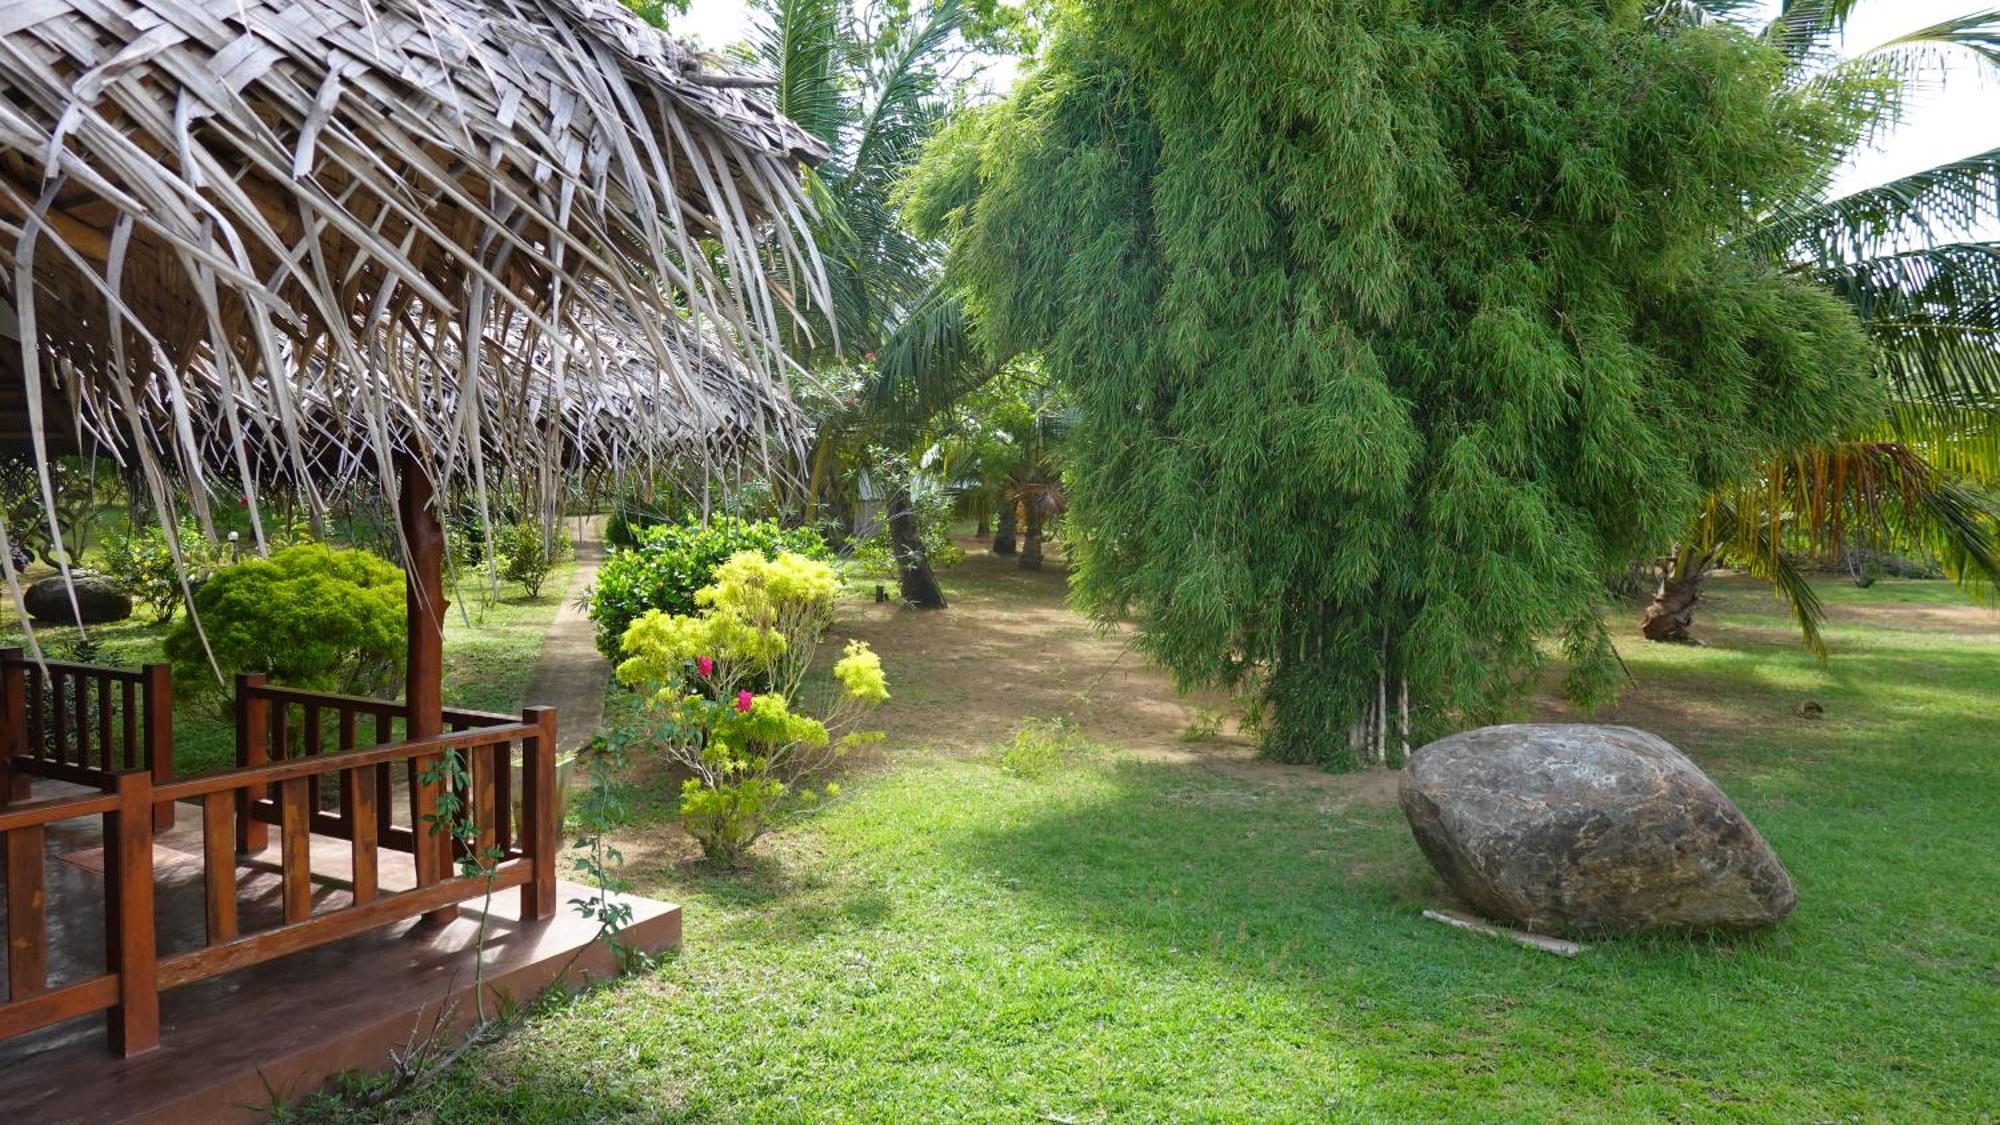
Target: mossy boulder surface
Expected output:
[99,601]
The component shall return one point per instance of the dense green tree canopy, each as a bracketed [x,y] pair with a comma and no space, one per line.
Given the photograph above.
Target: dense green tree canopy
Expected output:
[1392,325]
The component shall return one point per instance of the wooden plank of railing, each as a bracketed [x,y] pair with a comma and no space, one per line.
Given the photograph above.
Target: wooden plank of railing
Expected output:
[538,832]
[129,712]
[218,840]
[503,795]
[72,668]
[14,713]
[252,726]
[293,797]
[79,686]
[57,1005]
[358,794]
[107,749]
[369,704]
[279,746]
[130,945]
[64,771]
[157,688]
[311,740]
[271,773]
[202,963]
[385,789]
[27,914]
[51,809]
[485,826]
[423,812]
[37,690]
[60,704]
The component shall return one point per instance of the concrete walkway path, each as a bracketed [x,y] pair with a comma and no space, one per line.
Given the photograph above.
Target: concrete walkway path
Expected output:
[571,675]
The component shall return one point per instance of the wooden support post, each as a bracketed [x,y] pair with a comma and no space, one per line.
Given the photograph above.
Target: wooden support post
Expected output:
[253,728]
[159,704]
[129,944]
[423,671]
[13,713]
[539,830]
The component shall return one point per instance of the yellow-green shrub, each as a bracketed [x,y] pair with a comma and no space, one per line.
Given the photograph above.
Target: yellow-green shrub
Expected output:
[723,684]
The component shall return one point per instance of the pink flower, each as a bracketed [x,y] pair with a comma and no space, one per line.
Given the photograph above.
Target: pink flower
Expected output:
[743,701]
[705,666]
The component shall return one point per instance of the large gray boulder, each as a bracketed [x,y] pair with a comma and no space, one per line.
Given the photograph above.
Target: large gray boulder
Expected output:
[1588,829]
[98,598]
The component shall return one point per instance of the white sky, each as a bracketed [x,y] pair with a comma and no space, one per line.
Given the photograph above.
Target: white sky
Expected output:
[1962,120]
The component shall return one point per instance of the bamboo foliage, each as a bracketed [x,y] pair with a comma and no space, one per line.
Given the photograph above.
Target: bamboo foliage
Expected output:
[1382,358]
[255,237]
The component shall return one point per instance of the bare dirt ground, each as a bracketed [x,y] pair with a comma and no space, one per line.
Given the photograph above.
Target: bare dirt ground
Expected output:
[1010,649]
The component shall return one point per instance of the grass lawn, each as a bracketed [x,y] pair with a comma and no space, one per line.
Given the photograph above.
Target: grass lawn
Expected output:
[490,648]
[1143,933]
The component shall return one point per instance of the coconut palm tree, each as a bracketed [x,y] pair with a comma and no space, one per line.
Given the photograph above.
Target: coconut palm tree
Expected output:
[874,84]
[1910,258]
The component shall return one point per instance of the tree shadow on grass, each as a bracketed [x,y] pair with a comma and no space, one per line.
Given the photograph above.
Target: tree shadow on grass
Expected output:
[1274,891]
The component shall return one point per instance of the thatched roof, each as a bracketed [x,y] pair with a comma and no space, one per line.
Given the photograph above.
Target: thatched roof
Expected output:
[240,231]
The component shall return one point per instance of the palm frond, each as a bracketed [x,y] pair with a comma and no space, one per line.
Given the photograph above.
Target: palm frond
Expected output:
[1878,494]
[1696,13]
[931,361]
[1805,29]
[799,42]
[1976,33]
[1937,202]
[1935,314]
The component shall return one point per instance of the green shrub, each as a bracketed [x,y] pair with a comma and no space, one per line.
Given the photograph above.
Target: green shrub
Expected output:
[670,562]
[310,616]
[629,518]
[142,563]
[527,555]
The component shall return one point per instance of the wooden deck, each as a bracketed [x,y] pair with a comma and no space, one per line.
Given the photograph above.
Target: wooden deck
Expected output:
[232,1043]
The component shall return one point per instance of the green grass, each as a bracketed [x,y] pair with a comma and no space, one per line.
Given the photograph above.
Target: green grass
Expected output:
[1105,937]
[490,651]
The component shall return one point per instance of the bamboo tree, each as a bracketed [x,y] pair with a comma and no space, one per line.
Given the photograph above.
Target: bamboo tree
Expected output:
[1393,327]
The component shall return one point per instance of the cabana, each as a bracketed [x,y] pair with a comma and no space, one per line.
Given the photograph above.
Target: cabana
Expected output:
[420,246]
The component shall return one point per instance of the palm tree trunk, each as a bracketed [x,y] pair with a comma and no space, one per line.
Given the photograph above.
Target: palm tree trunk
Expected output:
[1003,536]
[1031,546]
[919,586]
[1671,613]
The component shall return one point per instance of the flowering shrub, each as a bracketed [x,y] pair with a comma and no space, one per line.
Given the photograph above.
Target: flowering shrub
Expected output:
[143,565]
[727,689]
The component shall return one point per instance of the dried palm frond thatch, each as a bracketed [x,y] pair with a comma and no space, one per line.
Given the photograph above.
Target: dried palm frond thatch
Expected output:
[489,235]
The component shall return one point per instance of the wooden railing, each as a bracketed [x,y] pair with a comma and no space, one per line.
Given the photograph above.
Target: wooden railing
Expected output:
[315,776]
[526,861]
[84,724]
[283,724]
[129,986]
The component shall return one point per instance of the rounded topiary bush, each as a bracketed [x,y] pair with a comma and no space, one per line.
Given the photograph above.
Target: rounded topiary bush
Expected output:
[667,564]
[309,616]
